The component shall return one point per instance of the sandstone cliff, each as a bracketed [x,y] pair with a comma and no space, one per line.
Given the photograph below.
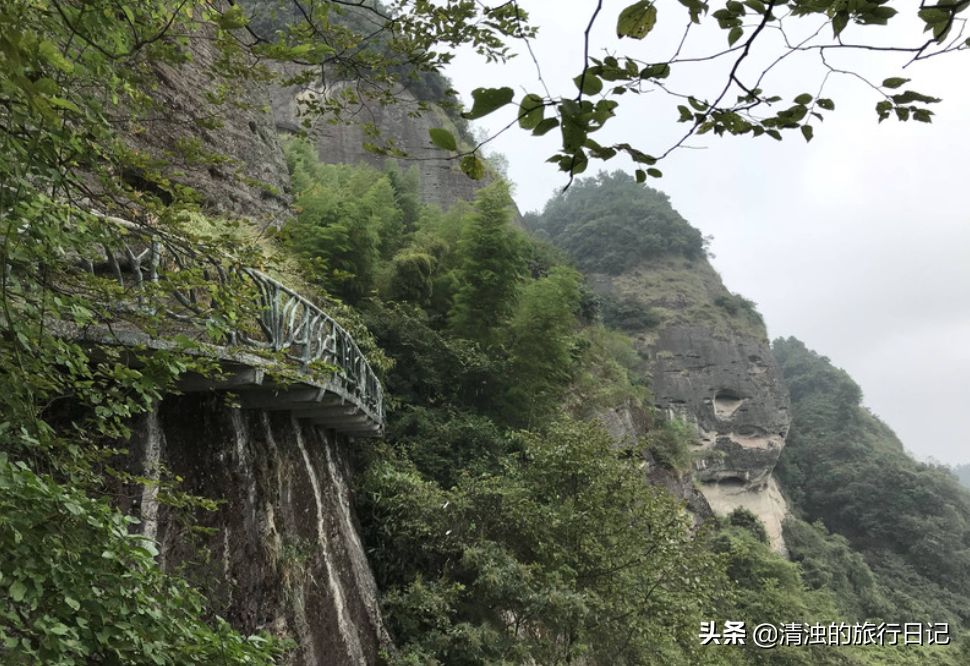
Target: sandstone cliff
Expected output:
[249,178]
[404,124]
[709,362]
[284,550]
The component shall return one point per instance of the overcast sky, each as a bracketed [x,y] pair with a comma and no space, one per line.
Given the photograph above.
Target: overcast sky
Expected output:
[858,243]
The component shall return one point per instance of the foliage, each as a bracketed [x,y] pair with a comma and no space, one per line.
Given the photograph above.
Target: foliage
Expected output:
[626,313]
[910,521]
[430,368]
[448,443]
[746,519]
[492,257]
[79,588]
[608,223]
[609,373]
[736,304]
[349,220]
[541,342]
[829,562]
[736,103]
[962,472]
[565,554]
[669,444]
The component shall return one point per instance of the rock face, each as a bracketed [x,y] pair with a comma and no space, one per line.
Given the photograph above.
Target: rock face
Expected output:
[253,182]
[732,390]
[442,182]
[711,365]
[627,423]
[285,554]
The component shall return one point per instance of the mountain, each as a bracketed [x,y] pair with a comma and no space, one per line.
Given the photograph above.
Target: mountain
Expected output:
[703,349]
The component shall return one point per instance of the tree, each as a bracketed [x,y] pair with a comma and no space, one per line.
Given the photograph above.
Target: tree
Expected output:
[77,89]
[610,224]
[492,264]
[565,557]
[541,336]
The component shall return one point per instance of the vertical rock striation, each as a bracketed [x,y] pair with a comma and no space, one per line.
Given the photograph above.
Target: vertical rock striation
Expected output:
[284,552]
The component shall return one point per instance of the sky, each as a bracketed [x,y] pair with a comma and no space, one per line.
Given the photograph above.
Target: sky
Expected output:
[857,243]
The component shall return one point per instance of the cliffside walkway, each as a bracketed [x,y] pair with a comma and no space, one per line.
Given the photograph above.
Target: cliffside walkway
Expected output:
[327,379]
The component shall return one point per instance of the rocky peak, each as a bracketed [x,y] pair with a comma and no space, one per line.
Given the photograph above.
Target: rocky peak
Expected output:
[708,357]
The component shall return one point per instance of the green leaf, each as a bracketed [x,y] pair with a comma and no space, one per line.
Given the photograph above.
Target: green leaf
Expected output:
[756,5]
[637,20]
[232,19]
[655,173]
[807,132]
[574,133]
[443,138]
[839,22]
[64,104]
[17,591]
[884,13]
[531,111]
[545,126]
[658,71]
[685,114]
[472,167]
[934,16]
[641,176]
[894,82]
[487,100]
[588,83]
[53,55]
[735,34]
[698,105]
[883,108]
[804,98]
[826,104]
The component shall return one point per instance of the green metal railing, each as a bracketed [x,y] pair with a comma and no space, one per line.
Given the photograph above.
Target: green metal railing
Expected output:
[286,322]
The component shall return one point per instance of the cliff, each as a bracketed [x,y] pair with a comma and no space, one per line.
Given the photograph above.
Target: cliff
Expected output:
[403,125]
[281,552]
[248,177]
[283,544]
[709,362]
[703,351]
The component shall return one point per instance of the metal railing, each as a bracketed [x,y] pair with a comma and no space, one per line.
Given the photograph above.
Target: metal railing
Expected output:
[285,321]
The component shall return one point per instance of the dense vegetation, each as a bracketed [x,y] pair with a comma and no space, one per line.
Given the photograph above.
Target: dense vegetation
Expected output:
[502,527]
[847,472]
[493,544]
[608,225]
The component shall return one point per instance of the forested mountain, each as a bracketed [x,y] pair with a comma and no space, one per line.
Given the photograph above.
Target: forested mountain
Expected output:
[500,524]
[846,469]
[607,226]
[580,430]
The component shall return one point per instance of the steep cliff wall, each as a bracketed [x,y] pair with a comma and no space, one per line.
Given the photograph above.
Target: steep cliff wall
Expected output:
[442,182]
[285,555]
[249,178]
[283,550]
[709,362]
